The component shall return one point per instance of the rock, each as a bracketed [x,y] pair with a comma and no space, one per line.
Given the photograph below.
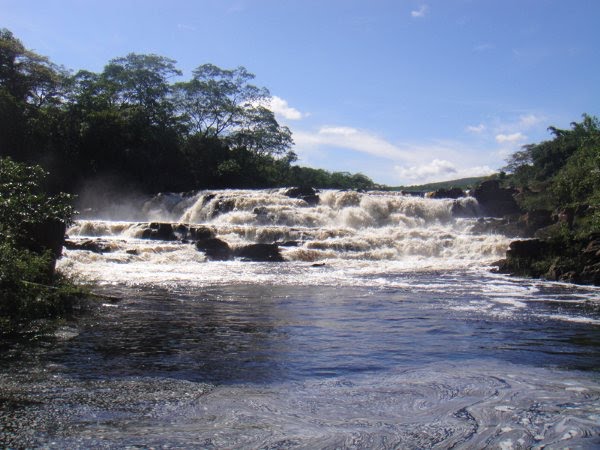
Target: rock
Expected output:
[260,253]
[200,232]
[536,219]
[193,233]
[222,206]
[48,235]
[508,226]
[90,245]
[558,259]
[495,201]
[306,193]
[453,193]
[288,244]
[531,248]
[215,249]
[463,208]
[159,231]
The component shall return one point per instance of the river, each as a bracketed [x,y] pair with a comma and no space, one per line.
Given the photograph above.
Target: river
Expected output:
[383,328]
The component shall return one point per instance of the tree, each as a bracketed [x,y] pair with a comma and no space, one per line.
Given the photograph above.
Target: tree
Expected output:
[222,103]
[30,86]
[26,261]
[141,82]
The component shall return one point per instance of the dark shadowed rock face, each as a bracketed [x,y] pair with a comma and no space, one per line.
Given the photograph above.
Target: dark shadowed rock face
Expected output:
[48,235]
[573,261]
[218,250]
[159,231]
[260,253]
[306,193]
[495,201]
[90,245]
[214,249]
[453,193]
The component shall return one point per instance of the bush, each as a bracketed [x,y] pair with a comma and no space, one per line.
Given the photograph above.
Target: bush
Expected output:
[29,289]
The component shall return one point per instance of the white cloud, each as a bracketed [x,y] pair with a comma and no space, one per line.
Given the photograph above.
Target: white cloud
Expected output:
[439,170]
[418,13]
[395,163]
[510,138]
[435,169]
[351,138]
[280,107]
[530,120]
[477,129]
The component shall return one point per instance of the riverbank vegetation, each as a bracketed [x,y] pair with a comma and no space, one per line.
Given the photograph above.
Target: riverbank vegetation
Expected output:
[557,183]
[32,226]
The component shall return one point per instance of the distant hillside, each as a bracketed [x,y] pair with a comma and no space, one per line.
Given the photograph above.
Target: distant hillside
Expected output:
[463,183]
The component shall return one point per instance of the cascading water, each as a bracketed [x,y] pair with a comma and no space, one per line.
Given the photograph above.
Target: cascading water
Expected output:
[346,230]
[383,327]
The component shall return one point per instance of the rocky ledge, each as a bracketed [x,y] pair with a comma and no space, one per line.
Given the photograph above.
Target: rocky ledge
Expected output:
[568,260]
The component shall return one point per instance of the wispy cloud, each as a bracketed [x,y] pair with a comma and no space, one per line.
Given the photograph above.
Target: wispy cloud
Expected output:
[421,12]
[281,108]
[417,162]
[476,129]
[510,138]
[353,139]
[530,120]
[439,170]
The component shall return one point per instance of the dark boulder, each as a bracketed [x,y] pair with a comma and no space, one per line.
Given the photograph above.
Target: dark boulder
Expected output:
[193,233]
[214,249]
[90,245]
[496,201]
[260,253]
[222,206]
[453,193]
[159,232]
[45,236]
[200,232]
[306,193]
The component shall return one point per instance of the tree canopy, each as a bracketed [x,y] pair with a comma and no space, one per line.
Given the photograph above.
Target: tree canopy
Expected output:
[137,123]
[562,172]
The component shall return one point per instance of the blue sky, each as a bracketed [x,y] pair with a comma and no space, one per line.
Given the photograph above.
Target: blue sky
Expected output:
[404,91]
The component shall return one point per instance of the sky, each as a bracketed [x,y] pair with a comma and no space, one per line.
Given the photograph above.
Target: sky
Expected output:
[403,91]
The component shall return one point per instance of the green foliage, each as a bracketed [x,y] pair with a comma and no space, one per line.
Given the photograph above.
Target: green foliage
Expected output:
[29,289]
[22,200]
[562,172]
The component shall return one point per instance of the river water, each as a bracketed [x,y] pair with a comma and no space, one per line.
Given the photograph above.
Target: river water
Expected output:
[383,328]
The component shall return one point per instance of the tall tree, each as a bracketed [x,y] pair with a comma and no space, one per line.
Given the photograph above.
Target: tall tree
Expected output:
[223,103]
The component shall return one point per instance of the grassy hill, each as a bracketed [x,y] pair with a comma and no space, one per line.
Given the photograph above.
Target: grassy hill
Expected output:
[463,183]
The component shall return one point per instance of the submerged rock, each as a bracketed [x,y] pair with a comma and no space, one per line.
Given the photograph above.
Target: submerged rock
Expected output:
[260,253]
